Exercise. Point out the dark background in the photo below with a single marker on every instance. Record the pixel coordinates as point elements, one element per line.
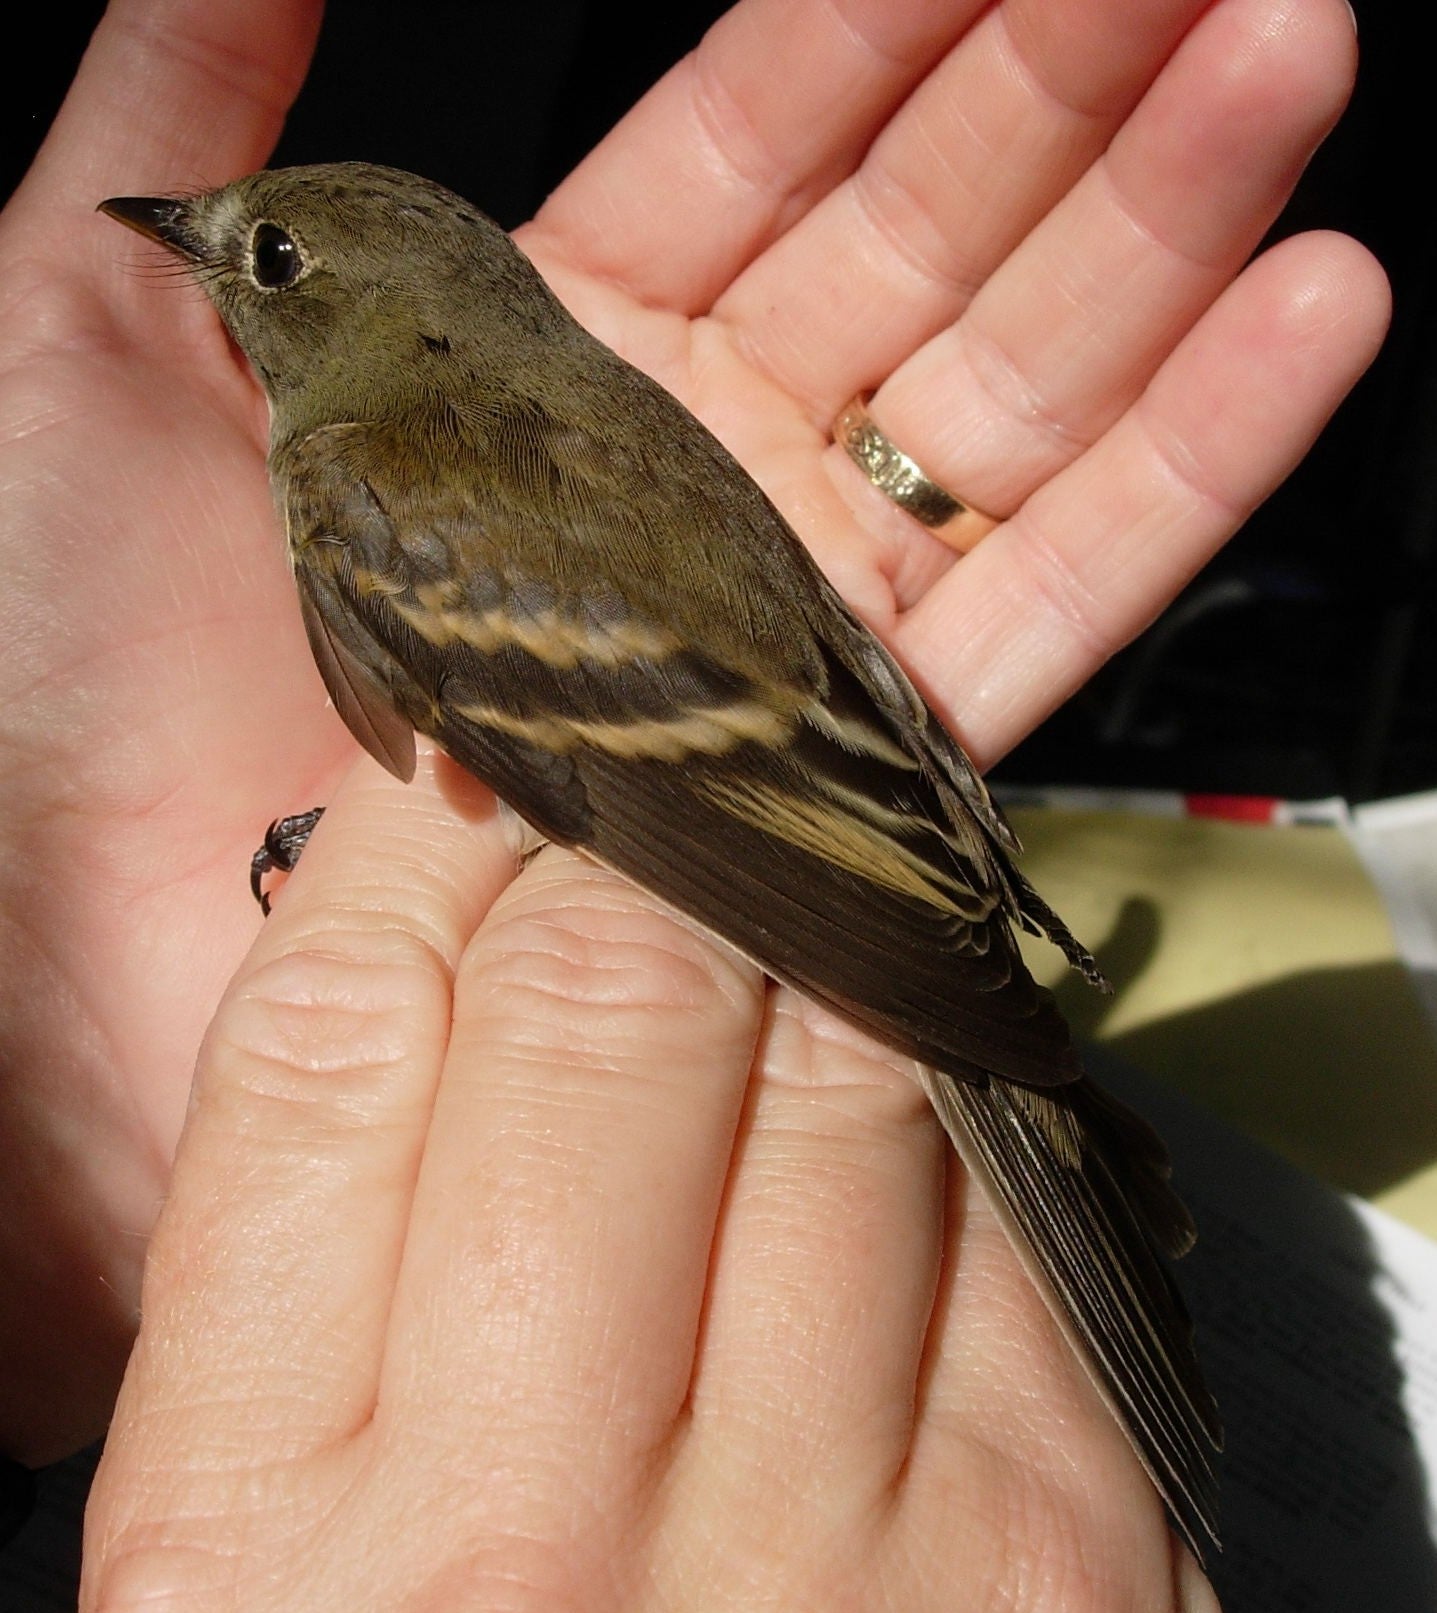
<point>1301,663</point>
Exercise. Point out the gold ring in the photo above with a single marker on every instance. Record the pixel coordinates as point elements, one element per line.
<point>905,481</point>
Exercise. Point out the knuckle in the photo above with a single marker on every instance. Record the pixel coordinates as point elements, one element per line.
<point>594,944</point>
<point>319,1012</point>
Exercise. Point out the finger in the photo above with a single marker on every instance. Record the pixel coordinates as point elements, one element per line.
<point>775,105</point>
<point>565,1213</point>
<point>819,1304</point>
<point>173,93</point>
<point>272,1268</point>
<point>1010,633</point>
<point>981,151</point>
<point>1064,337</point>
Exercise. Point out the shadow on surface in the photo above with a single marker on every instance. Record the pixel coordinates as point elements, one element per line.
<point>1333,1068</point>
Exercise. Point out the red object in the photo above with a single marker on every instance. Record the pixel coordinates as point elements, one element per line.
<point>1236,808</point>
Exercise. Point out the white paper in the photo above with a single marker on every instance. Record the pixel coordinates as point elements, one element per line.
<point>1317,1326</point>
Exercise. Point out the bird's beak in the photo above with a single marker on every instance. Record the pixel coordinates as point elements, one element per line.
<point>158,218</point>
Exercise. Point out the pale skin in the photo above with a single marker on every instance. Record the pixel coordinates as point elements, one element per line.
<point>521,1250</point>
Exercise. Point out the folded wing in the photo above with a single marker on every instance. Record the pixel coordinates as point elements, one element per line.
<point>779,781</point>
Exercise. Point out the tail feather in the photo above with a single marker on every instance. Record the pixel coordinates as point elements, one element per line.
<point>1081,1184</point>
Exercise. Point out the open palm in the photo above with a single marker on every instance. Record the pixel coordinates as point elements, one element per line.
<point>1025,233</point>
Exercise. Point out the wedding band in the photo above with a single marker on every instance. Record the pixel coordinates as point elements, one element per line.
<point>905,481</point>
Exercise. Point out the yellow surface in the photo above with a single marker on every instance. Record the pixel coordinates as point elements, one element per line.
<point>1256,972</point>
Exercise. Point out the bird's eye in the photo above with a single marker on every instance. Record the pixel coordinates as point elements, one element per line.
<point>275,257</point>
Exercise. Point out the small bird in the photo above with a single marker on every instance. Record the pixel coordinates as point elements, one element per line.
<point>507,538</point>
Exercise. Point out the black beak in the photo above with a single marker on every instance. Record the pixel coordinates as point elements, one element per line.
<point>158,218</point>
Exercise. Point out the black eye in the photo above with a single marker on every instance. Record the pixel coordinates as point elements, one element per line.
<point>277,262</point>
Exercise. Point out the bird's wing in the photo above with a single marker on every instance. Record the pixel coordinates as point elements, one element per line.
<point>816,817</point>
<point>365,705</point>
<point>784,808</point>
<point>1080,1183</point>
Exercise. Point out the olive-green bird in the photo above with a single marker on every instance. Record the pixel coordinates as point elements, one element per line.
<point>509,539</point>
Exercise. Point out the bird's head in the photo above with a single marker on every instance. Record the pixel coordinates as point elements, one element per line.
<point>342,270</point>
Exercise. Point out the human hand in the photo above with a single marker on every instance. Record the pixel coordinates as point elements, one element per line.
<point>523,1253</point>
<point>164,706</point>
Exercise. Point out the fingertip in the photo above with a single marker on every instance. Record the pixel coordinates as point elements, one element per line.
<point>313,1095</point>
<point>173,93</point>
<point>426,858</point>
<point>1343,276</point>
<point>1317,306</point>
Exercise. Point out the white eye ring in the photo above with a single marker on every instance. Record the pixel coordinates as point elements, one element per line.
<point>275,259</point>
